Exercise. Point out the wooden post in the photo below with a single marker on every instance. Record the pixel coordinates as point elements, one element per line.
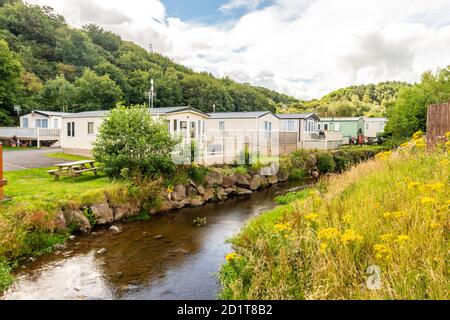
<point>2,182</point>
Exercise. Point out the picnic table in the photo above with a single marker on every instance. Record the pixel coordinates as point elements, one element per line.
<point>74,169</point>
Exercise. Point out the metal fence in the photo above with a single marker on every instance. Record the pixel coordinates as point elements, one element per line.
<point>438,123</point>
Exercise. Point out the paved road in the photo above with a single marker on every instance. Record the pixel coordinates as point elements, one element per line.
<point>21,160</point>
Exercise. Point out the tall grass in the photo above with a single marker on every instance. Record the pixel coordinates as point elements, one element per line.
<point>386,219</point>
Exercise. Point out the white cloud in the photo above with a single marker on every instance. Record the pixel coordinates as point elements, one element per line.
<point>237,4</point>
<point>301,47</point>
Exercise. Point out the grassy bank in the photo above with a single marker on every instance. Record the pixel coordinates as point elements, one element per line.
<point>66,156</point>
<point>27,220</point>
<point>390,213</point>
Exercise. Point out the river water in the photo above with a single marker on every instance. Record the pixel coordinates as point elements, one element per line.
<point>164,257</point>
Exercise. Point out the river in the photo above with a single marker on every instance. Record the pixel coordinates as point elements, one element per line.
<point>164,257</point>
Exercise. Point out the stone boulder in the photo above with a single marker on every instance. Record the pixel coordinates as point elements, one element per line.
<point>230,190</point>
<point>167,205</point>
<point>60,222</point>
<point>221,194</point>
<point>242,180</point>
<point>255,182</point>
<point>103,213</point>
<point>196,201</point>
<point>283,176</point>
<point>208,194</point>
<point>201,190</point>
<point>243,192</point>
<point>229,181</point>
<point>76,218</point>
<point>264,182</point>
<point>191,191</point>
<point>214,178</point>
<point>125,211</point>
<point>179,193</point>
<point>272,180</point>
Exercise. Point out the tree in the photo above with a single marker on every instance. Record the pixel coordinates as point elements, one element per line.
<point>130,142</point>
<point>96,92</point>
<point>10,71</point>
<point>59,95</point>
<point>105,39</point>
<point>409,114</point>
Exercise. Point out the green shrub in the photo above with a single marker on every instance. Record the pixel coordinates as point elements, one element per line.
<point>344,160</point>
<point>241,170</point>
<point>325,163</point>
<point>197,173</point>
<point>90,216</point>
<point>6,279</point>
<point>292,196</point>
<point>130,139</point>
<point>298,174</point>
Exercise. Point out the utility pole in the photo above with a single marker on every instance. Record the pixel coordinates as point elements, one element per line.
<point>151,95</point>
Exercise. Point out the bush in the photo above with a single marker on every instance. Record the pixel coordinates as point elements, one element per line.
<point>241,170</point>
<point>197,173</point>
<point>131,142</point>
<point>298,174</point>
<point>6,279</point>
<point>325,163</point>
<point>292,196</point>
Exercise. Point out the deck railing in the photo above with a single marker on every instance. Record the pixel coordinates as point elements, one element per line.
<point>30,133</point>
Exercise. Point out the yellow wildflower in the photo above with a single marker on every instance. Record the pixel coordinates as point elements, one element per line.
<point>418,135</point>
<point>351,236</point>
<point>347,218</point>
<point>404,145</point>
<point>323,248</point>
<point>328,234</point>
<point>435,225</point>
<point>281,227</point>
<point>413,185</point>
<point>384,155</point>
<point>444,163</point>
<point>312,217</point>
<point>387,237</point>
<point>402,239</point>
<point>447,135</point>
<point>382,252</point>
<point>427,200</point>
<point>231,256</point>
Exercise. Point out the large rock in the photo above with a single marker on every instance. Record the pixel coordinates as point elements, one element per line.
<point>103,213</point>
<point>272,180</point>
<point>201,190</point>
<point>242,180</point>
<point>168,205</point>
<point>243,192</point>
<point>229,182</point>
<point>214,178</point>
<point>125,211</point>
<point>230,190</point>
<point>196,201</point>
<point>76,219</point>
<point>221,194</point>
<point>264,182</point>
<point>179,193</point>
<point>191,191</point>
<point>255,183</point>
<point>283,175</point>
<point>60,222</point>
<point>208,195</point>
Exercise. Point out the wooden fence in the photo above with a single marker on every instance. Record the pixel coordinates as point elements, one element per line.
<point>438,123</point>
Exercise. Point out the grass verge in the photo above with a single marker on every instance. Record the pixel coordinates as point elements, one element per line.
<point>379,231</point>
<point>66,156</point>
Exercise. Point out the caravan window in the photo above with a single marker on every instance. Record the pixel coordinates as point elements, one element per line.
<point>25,123</point>
<point>42,123</point>
<point>290,125</point>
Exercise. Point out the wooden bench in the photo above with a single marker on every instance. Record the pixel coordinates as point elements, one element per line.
<point>74,169</point>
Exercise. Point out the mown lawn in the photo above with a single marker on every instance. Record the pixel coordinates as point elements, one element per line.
<point>379,231</point>
<point>66,156</point>
<point>36,185</point>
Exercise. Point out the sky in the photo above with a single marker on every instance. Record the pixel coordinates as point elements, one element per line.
<point>304,48</point>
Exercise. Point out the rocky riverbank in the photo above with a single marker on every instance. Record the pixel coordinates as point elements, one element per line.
<point>215,187</point>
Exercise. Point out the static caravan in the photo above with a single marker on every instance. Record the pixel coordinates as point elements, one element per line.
<point>80,129</point>
<point>230,134</point>
<point>374,126</point>
<point>349,127</point>
<point>302,131</point>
